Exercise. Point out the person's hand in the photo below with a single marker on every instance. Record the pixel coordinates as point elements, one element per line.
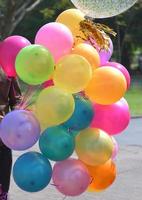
<point>1,117</point>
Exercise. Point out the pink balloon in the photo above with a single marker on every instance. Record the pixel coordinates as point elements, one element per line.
<point>48,83</point>
<point>71,177</point>
<point>57,38</point>
<point>122,69</point>
<point>113,119</point>
<point>115,149</point>
<point>9,49</point>
<point>105,55</point>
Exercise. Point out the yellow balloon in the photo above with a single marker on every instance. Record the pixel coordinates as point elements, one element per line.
<point>88,52</point>
<point>107,86</point>
<point>93,146</point>
<point>54,107</point>
<point>72,18</point>
<point>73,73</point>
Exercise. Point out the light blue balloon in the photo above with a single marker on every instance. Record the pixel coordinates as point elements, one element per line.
<point>82,116</point>
<point>56,143</point>
<point>32,172</point>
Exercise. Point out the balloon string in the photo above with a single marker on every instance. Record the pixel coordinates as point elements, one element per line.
<point>25,97</point>
<point>31,90</point>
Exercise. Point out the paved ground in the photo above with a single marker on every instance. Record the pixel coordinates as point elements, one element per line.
<point>128,185</point>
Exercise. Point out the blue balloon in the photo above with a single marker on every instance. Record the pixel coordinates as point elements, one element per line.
<point>56,143</point>
<point>82,116</point>
<point>32,172</point>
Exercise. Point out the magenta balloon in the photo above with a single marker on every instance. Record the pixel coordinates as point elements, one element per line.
<point>122,69</point>
<point>115,149</point>
<point>57,38</point>
<point>71,177</point>
<point>19,130</point>
<point>9,49</point>
<point>113,119</point>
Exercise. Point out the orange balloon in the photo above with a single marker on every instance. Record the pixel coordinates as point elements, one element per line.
<point>88,52</point>
<point>107,86</point>
<point>102,176</point>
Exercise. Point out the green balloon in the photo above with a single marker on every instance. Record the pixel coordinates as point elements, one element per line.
<point>56,144</point>
<point>34,64</point>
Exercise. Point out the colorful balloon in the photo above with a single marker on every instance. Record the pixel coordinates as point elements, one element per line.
<point>88,52</point>
<point>72,18</point>
<point>73,72</point>
<point>103,8</point>
<point>104,54</point>
<point>112,118</point>
<point>71,177</point>
<point>19,130</point>
<point>34,64</point>
<point>32,172</point>
<point>107,86</point>
<point>102,176</point>
<point>54,106</point>
<point>9,49</point>
<point>57,38</point>
<point>56,144</point>
<point>122,69</point>
<point>93,146</point>
<point>82,116</point>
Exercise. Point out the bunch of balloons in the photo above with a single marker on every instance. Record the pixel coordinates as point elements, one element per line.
<point>80,108</point>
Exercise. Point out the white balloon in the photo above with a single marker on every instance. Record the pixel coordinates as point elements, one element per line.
<point>103,8</point>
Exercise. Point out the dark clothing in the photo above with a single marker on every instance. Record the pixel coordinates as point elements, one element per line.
<point>10,96</point>
<point>5,167</point>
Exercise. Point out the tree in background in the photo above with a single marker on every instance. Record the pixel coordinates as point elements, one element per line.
<point>12,12</point>
<point>45,12</point>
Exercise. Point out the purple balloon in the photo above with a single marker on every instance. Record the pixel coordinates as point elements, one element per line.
<point>122,69</point>
<point>71,177</point>
<point>9,49</point>
<point>19,130</point>
<point>113,119</point>
<point>105,55</point>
